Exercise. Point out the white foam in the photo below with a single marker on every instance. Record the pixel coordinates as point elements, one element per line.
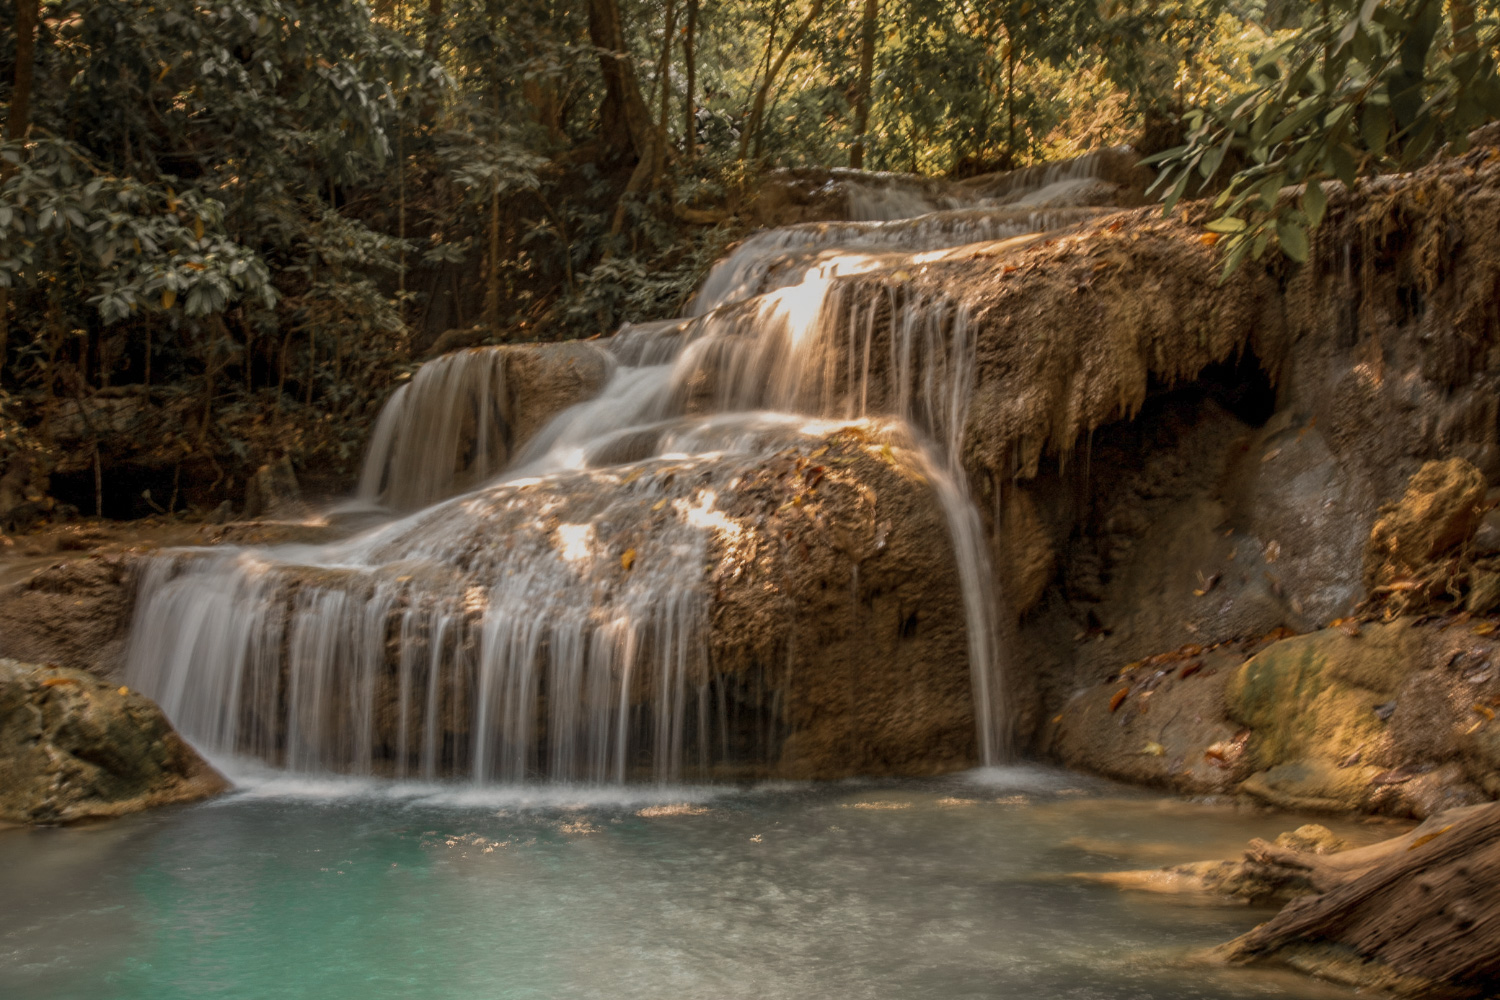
<point>254,781</point>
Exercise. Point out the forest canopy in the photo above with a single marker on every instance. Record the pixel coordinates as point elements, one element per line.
<point>269,210</point>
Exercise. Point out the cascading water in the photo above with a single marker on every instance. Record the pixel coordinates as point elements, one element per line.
<point>550,620</point>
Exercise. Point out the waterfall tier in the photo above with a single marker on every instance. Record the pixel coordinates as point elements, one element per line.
<point>735,543</point>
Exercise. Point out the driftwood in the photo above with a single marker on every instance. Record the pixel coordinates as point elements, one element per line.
<point>1419,913</point>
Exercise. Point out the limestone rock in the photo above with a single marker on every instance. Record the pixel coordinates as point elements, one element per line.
<point>1442,507</point>
<point>75,612</point>
<point>1026,558</point>
<point>1395,718</point>
<point>815,604</point>
<point>274,494</point>
<point>74,747</point>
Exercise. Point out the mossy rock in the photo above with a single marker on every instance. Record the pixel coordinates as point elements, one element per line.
<point>1311,703</point>
<point>74,747</point>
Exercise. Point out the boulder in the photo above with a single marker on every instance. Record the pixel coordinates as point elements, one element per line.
<point>1393,718</point>
<point>1442,506</point>
<point>73,747</point>
<point>274,494</point>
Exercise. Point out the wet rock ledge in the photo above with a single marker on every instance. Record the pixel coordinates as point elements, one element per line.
<point>73,747</point>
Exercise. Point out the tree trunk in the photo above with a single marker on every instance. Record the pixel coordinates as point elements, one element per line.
<point>432,44</point>
<point>625,121</point>
<point>664,70</point>
<point>866,77</point>
<point>492,271</point>
<point>18,122</point>
<point>759,109</point>
<point>1010,94</point>
<point>1425,905</point>
<point>690,61</point>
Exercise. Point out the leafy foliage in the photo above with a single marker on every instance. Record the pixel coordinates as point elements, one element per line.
<point>264,212</point>
<point>1364,86</point>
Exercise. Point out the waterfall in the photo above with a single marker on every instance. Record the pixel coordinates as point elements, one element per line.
<point>543,611</point>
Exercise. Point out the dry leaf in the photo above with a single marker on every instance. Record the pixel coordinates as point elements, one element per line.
<point>1153,749</point>
<point>1119,698</point>
<point>1429,837</point>
<point>627,560</point>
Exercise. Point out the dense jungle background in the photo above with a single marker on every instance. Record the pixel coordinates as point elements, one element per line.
<point>228,229</point>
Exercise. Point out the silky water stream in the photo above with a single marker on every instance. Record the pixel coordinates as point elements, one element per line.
<point>465,741</point>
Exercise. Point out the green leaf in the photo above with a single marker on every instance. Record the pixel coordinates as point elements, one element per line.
<point>1293,240</point>
<point>1375,128</point>
<point>1226,224</point>
<point>1314,203</point>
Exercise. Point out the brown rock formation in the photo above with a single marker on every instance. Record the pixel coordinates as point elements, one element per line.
<point>1393,718</point>
<point>1439,512</point>
<point>73,747</point>
<point>75,612</point>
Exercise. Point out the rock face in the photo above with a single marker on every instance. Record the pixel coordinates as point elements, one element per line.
<point>1213,462</point>
<point>73,747</point>
<point>1391,718</point>
<point>75,612</point>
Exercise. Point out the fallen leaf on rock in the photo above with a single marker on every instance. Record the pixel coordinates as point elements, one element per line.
<point>1153,749</point>
<point>1484,710</point>
<point>1484,628</point>
<point>1218,754</point>
<point>1428,838</point>
<point>1191,669</point>
<point>627,559</point>
<point>1119,698</point>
